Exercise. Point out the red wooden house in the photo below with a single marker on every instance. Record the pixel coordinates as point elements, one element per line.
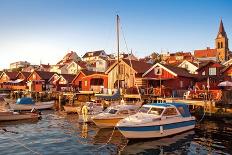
<point>87,80</point>
<point>6,79</point>
<point>38,81</point>
<point>227,73</point>
<point>62,82</point>
<point>209,75</point>
<point>169,77</point>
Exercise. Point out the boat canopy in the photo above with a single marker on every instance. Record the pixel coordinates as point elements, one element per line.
<point>25,100</point>
<point>114,96</point>
<point>181,107</point>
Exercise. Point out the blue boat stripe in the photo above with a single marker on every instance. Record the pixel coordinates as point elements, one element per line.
<point>157,127</point>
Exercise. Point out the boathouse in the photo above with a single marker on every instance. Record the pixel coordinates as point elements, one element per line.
<point>130,73</point>
<point>38,81</point>
<point>87,80</point>
<point>6,79</point>
<point>165,77</point>
<point>209,75</point>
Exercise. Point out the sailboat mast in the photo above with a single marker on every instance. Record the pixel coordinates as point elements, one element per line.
<point>118,47</point>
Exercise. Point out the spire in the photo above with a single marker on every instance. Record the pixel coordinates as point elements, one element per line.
<point>222,30</point>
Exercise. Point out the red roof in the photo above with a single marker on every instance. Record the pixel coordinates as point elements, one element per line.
<point>12,75</point>
<point>205,53</point>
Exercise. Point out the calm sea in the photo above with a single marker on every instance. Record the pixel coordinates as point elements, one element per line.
<point>61,134</point>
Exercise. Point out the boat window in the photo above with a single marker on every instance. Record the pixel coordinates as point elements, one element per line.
<point>144,109</point>
<point>124,112</point>
<point>112,111</point>
<point>156,111</point>
<point>181,110</point>
<point>170,111</point>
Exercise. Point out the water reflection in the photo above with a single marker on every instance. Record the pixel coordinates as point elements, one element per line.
<point>60,133</point>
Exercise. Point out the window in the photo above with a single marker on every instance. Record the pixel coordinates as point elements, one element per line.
<point>121,69</point>
<point>203,73</point>
<point>86,82</point>
<point>156,111</point>
<point>221,45</point>
<point>212,71</point>
<point>158,71</point>
<point>144,109</point>
<point>170,112</point>
<point>181,84</point>
<point>218,45</point>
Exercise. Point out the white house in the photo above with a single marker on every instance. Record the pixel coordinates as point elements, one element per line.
<point>190,66</point>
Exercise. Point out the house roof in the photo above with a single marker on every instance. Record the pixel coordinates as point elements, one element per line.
<point>226,68</point>
<point>25,74</point>
<point>95,53</point>
<point>206,63</point>
<point>45,65</point>
<point>205,53</point>
<point>179,71</point>
<point>138,66</point>
<point>68,77</point>
<point>176,71</point>
<point>11,75</point>
<point>45,75</point>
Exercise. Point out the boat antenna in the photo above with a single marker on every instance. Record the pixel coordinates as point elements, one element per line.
<point>118,46</point>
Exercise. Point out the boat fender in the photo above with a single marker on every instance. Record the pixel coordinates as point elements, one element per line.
<point>84,110</point>
<point>161,130</point>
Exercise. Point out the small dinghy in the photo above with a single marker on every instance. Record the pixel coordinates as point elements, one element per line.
<point>15,116</point>
<point>28,104</point>
<point>157,120</point>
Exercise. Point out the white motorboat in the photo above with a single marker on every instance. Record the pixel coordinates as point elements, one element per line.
<point>28,104</point>
<point>157,120</point>
<point>113,114</point>
<point>15,116</point>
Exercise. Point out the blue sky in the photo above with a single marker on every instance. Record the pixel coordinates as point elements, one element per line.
<point>45,30</point>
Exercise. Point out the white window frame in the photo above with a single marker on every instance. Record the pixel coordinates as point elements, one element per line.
<point>203,73</point>
<point>156,69</point>
<point>212,71</point>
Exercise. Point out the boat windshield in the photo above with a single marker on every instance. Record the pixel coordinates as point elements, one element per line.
<point>156,111</point>
<point>111,111</point>
<point>144,109</point>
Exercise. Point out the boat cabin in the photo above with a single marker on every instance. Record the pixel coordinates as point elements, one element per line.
<point>166,109</point>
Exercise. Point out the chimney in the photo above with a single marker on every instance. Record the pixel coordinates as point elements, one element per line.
<point>207,48</point>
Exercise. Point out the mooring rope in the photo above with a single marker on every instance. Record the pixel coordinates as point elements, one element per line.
<point>20,143</point>
<point>203,114</point>
<point>110,138</point>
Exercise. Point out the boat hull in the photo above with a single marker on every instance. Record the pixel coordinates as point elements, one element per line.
<point>156,131</point>
<point>15,117</point>
<point>106,123</point>
<point>70,109</point>
<point>38,106</point>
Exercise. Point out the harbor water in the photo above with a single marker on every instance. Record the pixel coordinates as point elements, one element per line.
<point>62,134</point>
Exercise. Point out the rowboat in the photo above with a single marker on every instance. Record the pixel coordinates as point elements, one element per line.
<point>28,104</point>
<point>72,109</point>
<point>15,116</point>
<point>113,114</point>
<point>157,120</point>
<point>92,108</point>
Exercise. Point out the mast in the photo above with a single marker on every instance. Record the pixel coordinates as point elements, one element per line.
<point>118,46</point>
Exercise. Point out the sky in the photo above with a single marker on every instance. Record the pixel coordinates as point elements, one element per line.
<point>45,30</point>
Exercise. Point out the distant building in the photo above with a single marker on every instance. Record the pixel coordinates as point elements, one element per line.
<point>190,66</point>
<point>94,55</point>
<point>19,64</point>
<point>69,57</point>
<point>220,52</point>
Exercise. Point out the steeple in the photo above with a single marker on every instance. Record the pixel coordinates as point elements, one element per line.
<point>221,30</point>
<point>221,43</point>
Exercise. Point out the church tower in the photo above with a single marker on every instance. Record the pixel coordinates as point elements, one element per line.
<point>221,44</point>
